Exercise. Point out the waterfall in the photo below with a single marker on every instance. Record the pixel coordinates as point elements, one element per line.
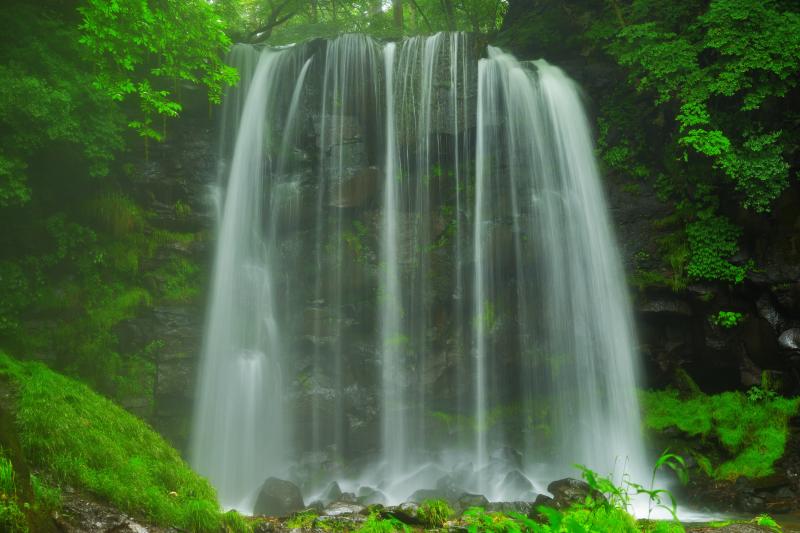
<point>539,189</point>
<point>241,427</point>
<point>416,282</point>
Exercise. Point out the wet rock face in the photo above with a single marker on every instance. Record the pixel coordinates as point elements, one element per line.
<point>675,327</point>
<point>278,497</point>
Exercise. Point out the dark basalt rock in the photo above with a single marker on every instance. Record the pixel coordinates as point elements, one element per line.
<point>510,507</point>
<point>331,493</point>
<point>356,189</point>
<point>508,455</point>
<point>750,502</point>
<point>789,340</point>
<point>421,495</point>
<point>542,500</point>
<point>315,506</point>
<point>468,500</point>
<point>517,484</point>
<point>767,310</point>
<point>405,512</point>
<point>569,490</point>
<point>370,496</point>
<point>278,497</point>
<point>348,497</point>
<point>449,484</point>
<point>666,306</point>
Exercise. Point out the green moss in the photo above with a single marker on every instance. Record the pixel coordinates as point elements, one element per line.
<point>83,439</point>
<point>178,280</point>
<point>434,513</point>
<point>751,434</point>
<point>642,279</point>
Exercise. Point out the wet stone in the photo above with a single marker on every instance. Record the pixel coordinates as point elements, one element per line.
<point>278,497</point>
<point>468,500</point>
<point>344,508</point>
<point>517,484</point>
<point>332,493</point>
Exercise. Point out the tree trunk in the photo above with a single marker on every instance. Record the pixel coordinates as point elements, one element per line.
<point>398,14</point>
<point>447,6</point>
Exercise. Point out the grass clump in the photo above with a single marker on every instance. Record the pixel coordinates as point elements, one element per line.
<point>375,524</point>
<point>478,520</point>
<point>233,522</point>
<point>434,513</point>
<point>750,431</point>
<point>12,519</point>
<point>81,438</point>
<point>14,507</point>
<point>302,520</point>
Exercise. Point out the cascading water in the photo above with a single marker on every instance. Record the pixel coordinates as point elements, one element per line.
<point>241,426</point>
<point>426,108</point>
<point>538,188</point>
<point>416,285</point>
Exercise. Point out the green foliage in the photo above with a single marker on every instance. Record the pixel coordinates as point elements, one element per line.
<point>712,241</point>
<point>84,272</point>
<point>752,63</point>
<point>87,69</point>
<point>434,513</point>
<point>303,520</point>
<point>765,520</point>
<point>44,96</point>
<point>706,117</point>
<point>179,280</point>
<point>83,439</point>
<point>477,519</point>
<point>328,19</point>
<point>727,319</point>
<point>750,434</point>
<point>619,496</point>
<point>375,524</point>
<point>144,50</point>
<point>12,519</point>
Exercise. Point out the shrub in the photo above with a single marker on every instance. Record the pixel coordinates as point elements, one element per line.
<point>434,513</point>
<point>375,524</point>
